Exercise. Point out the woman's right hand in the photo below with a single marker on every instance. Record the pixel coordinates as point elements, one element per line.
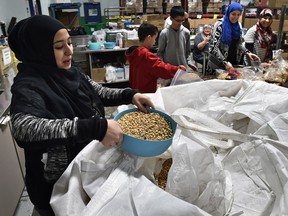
<point>228,66</point>
<point>206,39</point>
<point>265,64</point>
<point>114,134</point>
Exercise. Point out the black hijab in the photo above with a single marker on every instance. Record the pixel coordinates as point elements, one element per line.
<point>40,87</point>
<point>32,38</point>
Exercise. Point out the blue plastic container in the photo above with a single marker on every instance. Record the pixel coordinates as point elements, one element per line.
<point>94,46</point>
<point>146,148</point>
<point>128,23</point>
<point>92,12</point>
<point>109,45</point>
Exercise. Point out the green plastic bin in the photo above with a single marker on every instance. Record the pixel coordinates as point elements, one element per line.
<point>91,27</point>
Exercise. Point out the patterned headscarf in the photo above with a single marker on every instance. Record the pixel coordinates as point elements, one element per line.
<point>264,35</point>
<point>231,30</point>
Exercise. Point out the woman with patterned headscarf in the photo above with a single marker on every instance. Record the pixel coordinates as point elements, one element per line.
<point>56,110</point>
<point>226,47</point>
<point>260,38</point>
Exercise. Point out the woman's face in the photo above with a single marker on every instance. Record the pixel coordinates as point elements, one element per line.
<point>234,16</point>
<point>63,49</point>
<point>207,31</point>
<point>266,21</point>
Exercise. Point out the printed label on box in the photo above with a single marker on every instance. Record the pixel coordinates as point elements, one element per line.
<point>120,73</point>
<point>6,56</point>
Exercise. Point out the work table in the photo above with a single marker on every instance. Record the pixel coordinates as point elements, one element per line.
<point>83,55</point>
<point>88,53</point>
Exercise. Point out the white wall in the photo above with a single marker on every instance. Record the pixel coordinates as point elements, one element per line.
<point>13,8</point>
<point>45,5</point>
<point>20,8</point>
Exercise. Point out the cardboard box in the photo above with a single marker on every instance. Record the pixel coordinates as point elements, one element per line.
<point>129,42</point>
<point>155,19</point>
<point>5,58</point>
<point>130,34</point>
<point>69,19</point>
<point>276,3</point>
<point>98,74</point>
<point>285,55</point>
<point>194,23</point>
<point>250,22</point>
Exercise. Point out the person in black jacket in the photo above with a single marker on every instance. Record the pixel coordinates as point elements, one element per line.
<point>56,110</point>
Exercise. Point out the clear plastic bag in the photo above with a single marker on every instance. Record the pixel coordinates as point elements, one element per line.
<point>110,74</point>
<point>183,77</point>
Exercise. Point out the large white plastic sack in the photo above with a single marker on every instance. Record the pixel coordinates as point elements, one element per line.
<point>112,185</point>
<point>229,158</point>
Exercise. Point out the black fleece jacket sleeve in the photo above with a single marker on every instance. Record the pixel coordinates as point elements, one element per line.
<point>94,128</point>
<point>36,133</point>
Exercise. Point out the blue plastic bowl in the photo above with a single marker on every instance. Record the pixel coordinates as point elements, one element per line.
<point>109,45</point>
<point>146,148</point>
<point>94,46</point>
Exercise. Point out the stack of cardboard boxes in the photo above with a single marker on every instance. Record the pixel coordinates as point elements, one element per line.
<point>276,3</point>
<point>213,7</point>
<point>155,19</point>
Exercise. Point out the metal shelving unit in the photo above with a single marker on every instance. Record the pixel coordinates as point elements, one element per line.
<point>116,14</point>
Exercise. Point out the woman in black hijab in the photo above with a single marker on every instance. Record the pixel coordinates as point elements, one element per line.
<point>57,110</point>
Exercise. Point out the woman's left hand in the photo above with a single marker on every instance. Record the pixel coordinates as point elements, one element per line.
<point>253,57</point>
<point>142,101</point>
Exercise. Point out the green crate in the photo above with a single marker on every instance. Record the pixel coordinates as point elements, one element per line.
<point>82,21</point>
<point>91,27</point>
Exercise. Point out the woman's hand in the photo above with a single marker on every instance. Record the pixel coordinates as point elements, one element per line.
<point>206,39</point>
<point>114,134</point>
<point>228,66</point>
<point>265,64</point>
<point>182,67</point>
<point>142,101</point>
<point>193,67</point>
<point>253,57</point>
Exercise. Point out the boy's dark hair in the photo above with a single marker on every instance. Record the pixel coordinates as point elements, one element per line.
<point>146,29</point>
<point>177,11</point>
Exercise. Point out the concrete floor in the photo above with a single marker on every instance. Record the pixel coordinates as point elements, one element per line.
<point>25,207</point>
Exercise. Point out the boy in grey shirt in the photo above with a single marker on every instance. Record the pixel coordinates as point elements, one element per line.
<point>174,41</point>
